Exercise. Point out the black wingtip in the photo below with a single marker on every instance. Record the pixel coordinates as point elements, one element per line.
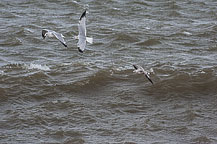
<point>63,44</point>
<point>135,67</point>
<point>80,50</point>
<point>83,15</point>
<point>149,79</point>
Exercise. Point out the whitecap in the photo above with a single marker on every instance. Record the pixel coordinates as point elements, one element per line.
<point>38,66</point>
<point>66,64</point>
<point>122,68</point>
<point>187,33</point>
<point>1,72</point>
<point>74,1</point>
<point>202,72</point>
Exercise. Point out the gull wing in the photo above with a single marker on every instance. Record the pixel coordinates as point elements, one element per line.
<point>60,38</point>
<point>83,15</point>
<point>138,67</point>
<point>135,66</point>
<point>147,76</point>
<point>82,24</point>
<point>81,43</point>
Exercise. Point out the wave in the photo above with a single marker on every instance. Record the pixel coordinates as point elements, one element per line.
<point>185,82</point>
<point>37,66</point>
<point>23,66</point>
<point>11,42</point>
<point>149,42</point>
<point>165,81</point>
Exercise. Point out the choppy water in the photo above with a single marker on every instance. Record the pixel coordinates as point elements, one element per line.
<point>53,94</point>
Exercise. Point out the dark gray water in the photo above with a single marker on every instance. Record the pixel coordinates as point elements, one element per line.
<point>52,94</point>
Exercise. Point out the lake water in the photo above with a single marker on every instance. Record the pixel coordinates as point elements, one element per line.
<point>52,94</point>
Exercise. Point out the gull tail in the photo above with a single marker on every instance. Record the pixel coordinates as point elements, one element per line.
<point>90,40</point>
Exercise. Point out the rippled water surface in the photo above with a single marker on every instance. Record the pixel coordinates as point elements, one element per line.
<point>52,94</point>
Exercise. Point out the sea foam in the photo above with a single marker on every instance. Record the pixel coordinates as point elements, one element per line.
<point>38,66</point>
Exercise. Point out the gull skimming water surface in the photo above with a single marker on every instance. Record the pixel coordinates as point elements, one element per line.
<point>140,70</point>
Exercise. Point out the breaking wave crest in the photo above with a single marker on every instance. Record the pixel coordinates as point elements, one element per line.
<point>165,81</point>
<point>30,66</point>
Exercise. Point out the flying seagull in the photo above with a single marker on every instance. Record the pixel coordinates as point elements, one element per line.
<point>140,70</point>
<point>50,33</point>
<point>82,39</point>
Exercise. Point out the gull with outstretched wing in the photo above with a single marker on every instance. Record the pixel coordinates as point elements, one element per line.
<point>51,33</point>
<point>140,70</point>
<point>82,38</point>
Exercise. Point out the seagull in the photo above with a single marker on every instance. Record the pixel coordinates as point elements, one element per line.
<point>140,70</point>
<point>82,39</point>
<point>50,33</point>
